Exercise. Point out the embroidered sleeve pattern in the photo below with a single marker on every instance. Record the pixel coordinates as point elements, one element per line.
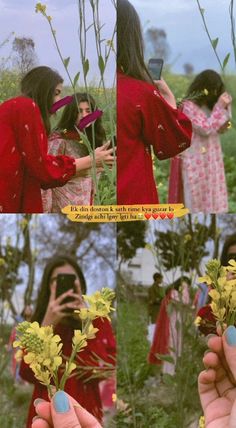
<point>32,143</point>
<point>167,129</point>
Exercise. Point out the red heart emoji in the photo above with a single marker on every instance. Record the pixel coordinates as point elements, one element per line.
<point>147,216</point>
<point>163,215</point>
<point>155,216</point>
<point>170,215</point>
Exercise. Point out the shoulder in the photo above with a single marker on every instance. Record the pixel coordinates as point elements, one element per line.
<point>23,104</point>
<point>140,85</point>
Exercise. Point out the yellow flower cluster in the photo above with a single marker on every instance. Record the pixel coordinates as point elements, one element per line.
<point>223,292</point>
<point>41,8</point>
<point>39,348</point>
<point>99,305</point>
<point>201,422</point>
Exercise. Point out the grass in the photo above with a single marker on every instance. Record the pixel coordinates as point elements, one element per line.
<point>147,399</point>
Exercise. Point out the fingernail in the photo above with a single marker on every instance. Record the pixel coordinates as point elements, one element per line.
<point>61,402</point>
<point>209,336</point>
<point>37,401</point>
<point>207,352</point>
<point>35,418</point>
<point>230,334</point>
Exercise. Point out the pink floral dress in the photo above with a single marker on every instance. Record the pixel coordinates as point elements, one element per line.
<point>79,190</point>
<point>202,164</point>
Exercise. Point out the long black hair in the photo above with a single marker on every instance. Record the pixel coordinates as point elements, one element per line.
<point>229,242</point>
<point>207,86</point>
<point>130,46</point>
<point>40,84</point>
<point>44,290</point>
<point>70,114</point>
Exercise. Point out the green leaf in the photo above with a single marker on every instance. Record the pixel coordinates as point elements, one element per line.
<point>76,78</point>
<point>168,379</point>
<point>101,64</point>
<point>167,358</point>
<point>86,67</point>
<point>225,62</point>
<point>214,43</point>
<point>66,61</point>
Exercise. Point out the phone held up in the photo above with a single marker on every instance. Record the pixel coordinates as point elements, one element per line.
<point>66,282</point>
<point>155,66</point>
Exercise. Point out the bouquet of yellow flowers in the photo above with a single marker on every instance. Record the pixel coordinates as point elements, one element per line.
<point>42,350</point>
<point>222,309</point>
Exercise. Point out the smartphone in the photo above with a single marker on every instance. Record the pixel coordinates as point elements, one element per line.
<point>155,66</point>
<point>66,282</point>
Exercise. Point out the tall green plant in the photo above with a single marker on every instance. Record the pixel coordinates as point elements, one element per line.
<point>106,192</point>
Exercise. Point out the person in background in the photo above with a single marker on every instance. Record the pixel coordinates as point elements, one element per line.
<point>66,140</point>
<point>147,117</point>
<point>155,296</point>
<point>201,167</point>
<point>168,332</point>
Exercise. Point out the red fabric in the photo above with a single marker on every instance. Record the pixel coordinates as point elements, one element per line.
<point>161,334</point>
<point>25,166</point>
<point>83,390</point>
<point>175,194</point>
<point>145,119</point>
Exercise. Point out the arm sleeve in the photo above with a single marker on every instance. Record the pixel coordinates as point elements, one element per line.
<point>102,348</point>
<point>202,124</point>
<point>51,171</point>
<point>168,130</point>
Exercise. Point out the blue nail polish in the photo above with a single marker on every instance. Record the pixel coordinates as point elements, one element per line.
<point>230,334</point>
<point>61,402</point>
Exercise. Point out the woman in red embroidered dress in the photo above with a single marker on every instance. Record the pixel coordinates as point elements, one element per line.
<point>79,190</point>
<point>25,166</point>
<point>147,116</point>
<point>52,311</point>
<point>167,338</point>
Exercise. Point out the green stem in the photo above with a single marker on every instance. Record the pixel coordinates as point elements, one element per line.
<point>208,35</point>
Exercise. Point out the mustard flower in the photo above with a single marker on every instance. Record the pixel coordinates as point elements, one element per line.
<point>79,340</point>
<point>40,8</point>
<point>40,348</point>
<point>201,422</point>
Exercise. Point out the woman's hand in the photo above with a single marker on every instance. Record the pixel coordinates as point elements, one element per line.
<point>217,385</point>
<point>62,412</point>
<point>224,100</point>
<point>56,308</point>
<point>166,92</point>
<point>101,155</point>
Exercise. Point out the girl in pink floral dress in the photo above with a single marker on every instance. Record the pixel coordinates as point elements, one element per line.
<point>202,166</point>
<point>66,140</point>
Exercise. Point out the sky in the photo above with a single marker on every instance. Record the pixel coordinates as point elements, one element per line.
<point>20,17</point>
<point>186,36</point>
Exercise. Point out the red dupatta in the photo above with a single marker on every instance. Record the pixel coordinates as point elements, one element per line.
<point>162,333</point>
<point>175,191</point>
